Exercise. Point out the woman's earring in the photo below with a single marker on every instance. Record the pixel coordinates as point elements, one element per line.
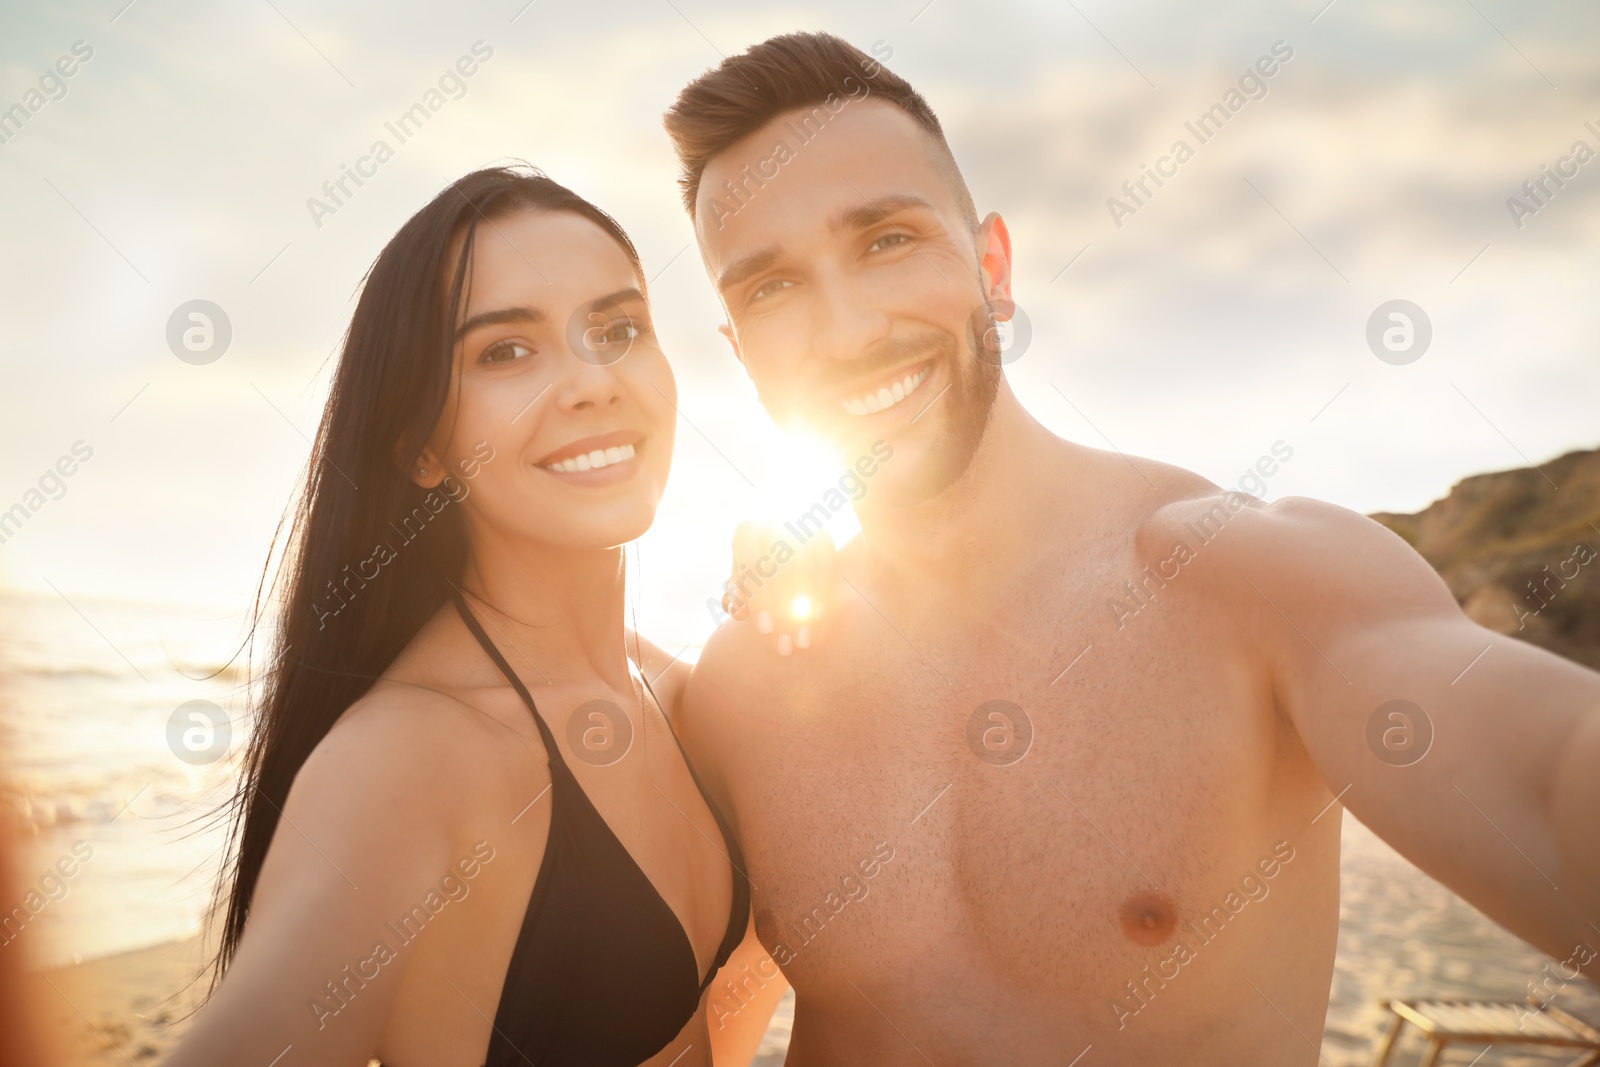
<point>422,472</point>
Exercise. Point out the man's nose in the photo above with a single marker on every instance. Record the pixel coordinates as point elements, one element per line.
<point>850,320</point>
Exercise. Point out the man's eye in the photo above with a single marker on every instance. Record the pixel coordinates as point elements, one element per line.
<point>768,288</point>
<point>888,240</point>
<point>505,352</point>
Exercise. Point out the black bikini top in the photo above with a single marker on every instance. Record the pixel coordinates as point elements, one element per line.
<point>603,973</point>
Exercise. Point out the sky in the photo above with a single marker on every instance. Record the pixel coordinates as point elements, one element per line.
<point>1199,323</point>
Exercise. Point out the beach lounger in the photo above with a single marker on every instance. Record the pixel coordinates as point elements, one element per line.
<point>1487,1022</point>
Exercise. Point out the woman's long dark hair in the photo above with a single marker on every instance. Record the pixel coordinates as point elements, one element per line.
<point>336,634</point>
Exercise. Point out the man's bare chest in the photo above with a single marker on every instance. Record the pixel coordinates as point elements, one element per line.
<point>1044,795</point>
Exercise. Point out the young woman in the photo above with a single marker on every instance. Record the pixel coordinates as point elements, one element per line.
<point>466,833</point>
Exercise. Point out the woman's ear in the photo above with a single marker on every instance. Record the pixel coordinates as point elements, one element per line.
<point>425,470</point>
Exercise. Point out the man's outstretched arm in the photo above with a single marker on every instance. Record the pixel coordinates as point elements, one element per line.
<point>1474,754</point>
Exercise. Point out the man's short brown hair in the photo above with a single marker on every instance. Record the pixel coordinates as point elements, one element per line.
<point>782,74</point>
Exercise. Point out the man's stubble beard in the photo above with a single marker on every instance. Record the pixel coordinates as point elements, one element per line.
<point>969,402</point>
<point>975,383</point>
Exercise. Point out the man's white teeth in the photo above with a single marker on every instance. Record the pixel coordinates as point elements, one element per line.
<point>591,461</point>
<point>886,397</point>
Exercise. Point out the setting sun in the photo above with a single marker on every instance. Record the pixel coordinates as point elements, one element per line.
<point>804,469</point>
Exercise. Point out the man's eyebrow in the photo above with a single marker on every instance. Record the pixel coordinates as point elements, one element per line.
<point>855,218</point>
<point>874,211</point>
<point>531,316</point>
<point>750,265</point>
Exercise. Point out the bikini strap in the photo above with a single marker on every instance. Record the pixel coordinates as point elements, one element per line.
<point>741,880</point>
<point>551,750</point>
<point>687,762</point>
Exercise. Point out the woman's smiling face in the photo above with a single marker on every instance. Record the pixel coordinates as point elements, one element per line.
<point>557,368</point>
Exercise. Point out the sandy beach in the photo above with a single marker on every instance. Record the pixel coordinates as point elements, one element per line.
<point>127,1008</point>
<point>134,1006</point>
<point>1401,935</point>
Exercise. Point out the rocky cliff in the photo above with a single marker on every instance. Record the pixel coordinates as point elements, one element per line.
<point>1520,550</point>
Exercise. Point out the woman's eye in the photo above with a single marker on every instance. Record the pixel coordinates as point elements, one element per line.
<point>768,288</point>
<point>505,352</point>
<point>888,240</point>
<point>623,331</point>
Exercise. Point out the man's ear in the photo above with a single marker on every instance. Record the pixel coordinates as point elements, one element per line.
<point>994,264</point>
<point>733,342</point>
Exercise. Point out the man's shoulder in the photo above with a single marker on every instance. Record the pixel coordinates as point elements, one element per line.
<point>1292,550</point>
<point>736,664</point>
<point>732,689</point>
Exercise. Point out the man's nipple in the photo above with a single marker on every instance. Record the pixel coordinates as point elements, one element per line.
<point>1149,917</point>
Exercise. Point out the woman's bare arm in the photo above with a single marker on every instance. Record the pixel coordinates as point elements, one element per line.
<point>368,828</point>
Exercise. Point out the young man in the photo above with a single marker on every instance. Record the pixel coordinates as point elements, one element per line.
<point>989,818</point>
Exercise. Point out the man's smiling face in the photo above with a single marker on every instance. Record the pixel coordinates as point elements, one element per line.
<point>857,293</point>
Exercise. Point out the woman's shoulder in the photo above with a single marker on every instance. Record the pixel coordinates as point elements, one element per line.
<point>403,719</point>
<point>425,755</point>
<point>439,698</point>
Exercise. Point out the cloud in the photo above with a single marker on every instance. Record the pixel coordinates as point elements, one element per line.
<point>1207,326</point>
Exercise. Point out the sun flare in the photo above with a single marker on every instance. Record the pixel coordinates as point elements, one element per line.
<point>804,469</point>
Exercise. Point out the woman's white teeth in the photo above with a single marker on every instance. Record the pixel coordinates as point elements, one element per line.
<point>591,461</point>
<point>886,397</point>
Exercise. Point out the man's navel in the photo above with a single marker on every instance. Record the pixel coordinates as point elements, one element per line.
<point>1149,917</point>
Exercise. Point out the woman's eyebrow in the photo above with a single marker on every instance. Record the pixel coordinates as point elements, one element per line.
<point>531,316</point>
<point>611,300</point>
<point>534,316</point>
